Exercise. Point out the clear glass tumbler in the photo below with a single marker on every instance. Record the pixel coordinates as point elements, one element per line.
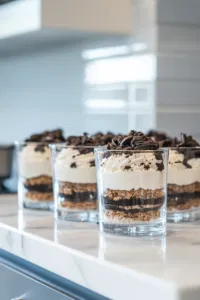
<point>132,190</point>
<point>183,203</point>
<point>35,190</point>
<point>74,176</point>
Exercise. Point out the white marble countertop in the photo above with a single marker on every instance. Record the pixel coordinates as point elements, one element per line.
<point>119,268</point>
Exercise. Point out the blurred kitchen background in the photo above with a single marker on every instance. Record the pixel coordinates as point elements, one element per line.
<point>98,65</point>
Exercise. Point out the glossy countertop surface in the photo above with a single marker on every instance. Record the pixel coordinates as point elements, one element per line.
<point>115,267</point>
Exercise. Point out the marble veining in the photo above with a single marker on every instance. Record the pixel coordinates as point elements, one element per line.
<point>119,268</point>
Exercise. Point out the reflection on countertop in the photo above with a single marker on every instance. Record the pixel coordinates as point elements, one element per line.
<point>77,251</point>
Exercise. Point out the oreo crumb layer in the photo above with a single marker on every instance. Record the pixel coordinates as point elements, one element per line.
<point>82,140</point>
<point>88,142</point>
<point>186,141</point>
<point>170,142</point>
<point>158,135</point>
<point>54,136</point>
<point>103,139</point>
<point>135,140</point>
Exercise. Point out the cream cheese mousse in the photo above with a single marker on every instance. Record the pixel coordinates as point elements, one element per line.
<point>132,185</point>
<point>35,173</point>
<point>183,179</point>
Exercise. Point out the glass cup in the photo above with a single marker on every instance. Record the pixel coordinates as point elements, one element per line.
<point>35,190</point>
<point>74,182</point>
<point>132,190</point>
<point>183,203</point>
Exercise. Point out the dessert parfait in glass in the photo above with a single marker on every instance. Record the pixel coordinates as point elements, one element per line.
<point>75,177</point>
<point>34,169</point>
<point>183,202</point>
<point>132,184</point>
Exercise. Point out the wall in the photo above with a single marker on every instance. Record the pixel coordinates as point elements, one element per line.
<point>40,90</point>
<point>44,89</point>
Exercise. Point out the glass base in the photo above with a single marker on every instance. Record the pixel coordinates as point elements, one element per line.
<point>135,229</point>
<point>39,205</point>
<point>183,216</point>
<point>77,216</point>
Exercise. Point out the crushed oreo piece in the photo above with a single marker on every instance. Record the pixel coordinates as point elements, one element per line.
<point>127,168</point>
<point>170,142</point>
<point>73,165</point>
<point>82,140</point>
<point>160,166</point>
<point>188,146</point>
<point>92,163</point>
<point>146,167</point>
<point>158,135</point>
<point>135,140</point>
<point>158,155</point>
<point>85,140</point>
<point>40,148</point>
<point>103,139</point>
<point>54,136</point>
<point>106,154</point>
<point>188,141</point>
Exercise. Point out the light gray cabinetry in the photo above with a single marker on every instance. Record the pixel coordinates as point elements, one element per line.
<point>15,285</point>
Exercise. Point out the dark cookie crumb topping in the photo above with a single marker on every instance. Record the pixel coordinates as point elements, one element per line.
<point>98,139</point>
<point>187,146</point>
<point>46,138</point>
<point>54,136</point>
<point>158,135</point>
<point>135,140</point>
<point>83,140</point>
<point>103,139</point>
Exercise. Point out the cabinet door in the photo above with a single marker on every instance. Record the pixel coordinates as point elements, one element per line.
<point>17,286</point>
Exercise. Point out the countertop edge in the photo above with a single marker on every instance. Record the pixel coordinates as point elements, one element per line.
<point>83,269</point>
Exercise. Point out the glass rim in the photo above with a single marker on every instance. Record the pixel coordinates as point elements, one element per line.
<point>188,148</point>
<point>18,143</point>
<point>63,145</point>
<point>164,150</point>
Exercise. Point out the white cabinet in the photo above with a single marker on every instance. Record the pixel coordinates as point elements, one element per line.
<point>66,18</point>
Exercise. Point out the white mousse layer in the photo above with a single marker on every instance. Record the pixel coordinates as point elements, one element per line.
<point>178,173</point>
<point>129,180</point>
<point>34,163</point>
<point>122,172</point>
<point>81,172</point>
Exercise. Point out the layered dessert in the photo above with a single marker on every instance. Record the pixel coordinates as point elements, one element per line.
<point>183,174</point>
<point>35,173</point>
<point>75,173</point>
<point>132,180</point>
